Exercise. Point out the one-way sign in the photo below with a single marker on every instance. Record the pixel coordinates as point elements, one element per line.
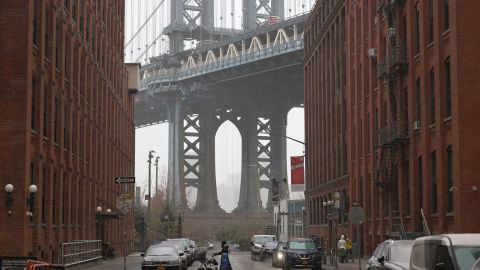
<point>125,180</point>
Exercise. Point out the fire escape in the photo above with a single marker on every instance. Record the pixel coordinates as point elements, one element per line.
<point>393,136</point>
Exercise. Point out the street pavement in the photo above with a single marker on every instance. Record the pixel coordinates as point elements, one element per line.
<point>239,261</point>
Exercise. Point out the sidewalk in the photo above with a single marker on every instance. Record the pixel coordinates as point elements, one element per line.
<point>346,266</point>
<point>133,263</point>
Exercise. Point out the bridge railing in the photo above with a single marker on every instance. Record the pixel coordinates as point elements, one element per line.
<point>153,76</point>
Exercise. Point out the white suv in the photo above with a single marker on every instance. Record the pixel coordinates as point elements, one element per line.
<point>445,252</point>
<point>257,242</point>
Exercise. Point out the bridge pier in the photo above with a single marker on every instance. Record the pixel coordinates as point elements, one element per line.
<point>207,199</point>
<point>278,144</point>
<point>176,183</point>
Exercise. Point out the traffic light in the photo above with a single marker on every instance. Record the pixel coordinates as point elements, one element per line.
<point>275,190</point>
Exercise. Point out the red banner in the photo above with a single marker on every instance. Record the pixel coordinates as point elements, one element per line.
<point>298,174</point>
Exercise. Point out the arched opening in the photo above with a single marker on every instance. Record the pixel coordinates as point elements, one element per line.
<point>228,162</point>
<point>296,130</point>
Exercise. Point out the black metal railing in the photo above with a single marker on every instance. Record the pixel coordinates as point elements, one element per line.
<point>396,133</point>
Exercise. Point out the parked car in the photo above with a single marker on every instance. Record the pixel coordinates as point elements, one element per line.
<point>278,255</point>
<point>186,246</point>
<point>162,257</point>
<point>391,254</point>
<point>476,266</point>
<point>200,253</point>
<point>267,249</point>
<point>302,253</point>
<point>180,248</point>
<point>448,251</point>
<point>256,244</point>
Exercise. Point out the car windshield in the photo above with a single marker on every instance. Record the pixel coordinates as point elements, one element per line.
<point>162,251</point>
<point>400,252</point>
<point>302,245</point>
<point>271,244</point>
<point>262,239</point>
<point>467,256</point>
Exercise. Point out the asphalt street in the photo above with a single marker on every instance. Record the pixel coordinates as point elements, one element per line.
<point>239,261</point>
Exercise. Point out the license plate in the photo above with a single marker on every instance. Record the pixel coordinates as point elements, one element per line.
<point>304,262</point>
<point>161,268</point>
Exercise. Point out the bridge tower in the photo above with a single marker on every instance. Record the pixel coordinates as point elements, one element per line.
<point>255,94</point>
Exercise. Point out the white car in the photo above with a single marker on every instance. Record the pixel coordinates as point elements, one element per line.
<point>448,251</point>
<point>162,257</point>
<point>256,244</point>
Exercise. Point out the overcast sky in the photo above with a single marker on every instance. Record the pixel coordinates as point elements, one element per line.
<point>228,141</point>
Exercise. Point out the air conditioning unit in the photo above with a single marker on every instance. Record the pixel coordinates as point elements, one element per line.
<point>417,125</point>
<point>372,52</point>
<point>392,32</point>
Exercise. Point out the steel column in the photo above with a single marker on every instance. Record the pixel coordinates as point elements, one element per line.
<point>207,194</point>
<point>250,185</point>
<point>278,127</point>
<point>176,183</point>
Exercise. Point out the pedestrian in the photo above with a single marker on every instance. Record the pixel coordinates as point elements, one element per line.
<point>342,249</point>
<point>349,246</point>
<point>224,259</point>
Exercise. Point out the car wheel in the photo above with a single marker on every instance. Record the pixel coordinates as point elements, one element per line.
<point>252,257</point>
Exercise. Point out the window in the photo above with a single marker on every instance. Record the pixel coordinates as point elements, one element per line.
<point>56,121</point>
<point>368,134</point>
<point>34,103</point>
<point>47,19</point>
<point>430,21</point>
<point>44,190</point>
<point>74,10</point>
<point>420,182</point>
<point>448,89</point>
<point>45,111</point>
<point>58,49</point>
<point>65,126</point>
<point>432,96</point>
<point>65,5</point>
<point>406,186</point>
<point>64,198</point>
<point>419,99</point>
<point>446,15</point>
<point>54,202</point>
<point>449,180</point>
<point>434,182</point>
<point>417,28</point>
<point>67,57</point>
<point>35,21</point>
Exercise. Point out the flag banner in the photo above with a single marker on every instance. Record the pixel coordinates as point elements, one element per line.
<point>297,173</point>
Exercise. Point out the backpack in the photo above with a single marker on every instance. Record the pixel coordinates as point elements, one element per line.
<point>224,262</point>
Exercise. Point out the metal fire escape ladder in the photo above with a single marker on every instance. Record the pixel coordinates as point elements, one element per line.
<point>394,134</point>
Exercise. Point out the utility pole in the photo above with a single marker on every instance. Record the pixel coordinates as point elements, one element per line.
<point>150,156</point>
<point>156,175</point>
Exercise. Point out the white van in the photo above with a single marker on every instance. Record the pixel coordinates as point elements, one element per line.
<point>445,252</point>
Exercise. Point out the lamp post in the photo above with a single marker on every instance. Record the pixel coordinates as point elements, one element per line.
<point>9,190</point>
<point>332,215</point>
<point>156,175</point>
<point>150,156</point>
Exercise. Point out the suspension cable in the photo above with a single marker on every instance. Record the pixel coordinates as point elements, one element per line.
<point>145,23</point>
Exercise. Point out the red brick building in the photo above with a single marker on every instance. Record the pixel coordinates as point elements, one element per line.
<point>66,123</point>
<point>412,115</point>
<point>326,121</point>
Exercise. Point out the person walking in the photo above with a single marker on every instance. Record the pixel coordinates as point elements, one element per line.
<point>349,246</point>
<point>342,248</point>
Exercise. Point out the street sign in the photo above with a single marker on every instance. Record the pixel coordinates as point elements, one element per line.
<point>125,180</point>
<point>356,215</point>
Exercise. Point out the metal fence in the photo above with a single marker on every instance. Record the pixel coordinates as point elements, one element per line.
<point>78,252</point>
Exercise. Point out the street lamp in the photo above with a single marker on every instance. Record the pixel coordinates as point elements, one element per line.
<point>332,215</point>
<point>32,189</point>
<point>150,156</point>
<point>9,189</point>
<point>109,210</point>
<point>99,209</point>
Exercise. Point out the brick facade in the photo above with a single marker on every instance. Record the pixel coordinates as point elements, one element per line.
<point>66,123</point>
<point>326,120</point>
<point>412,121</point>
